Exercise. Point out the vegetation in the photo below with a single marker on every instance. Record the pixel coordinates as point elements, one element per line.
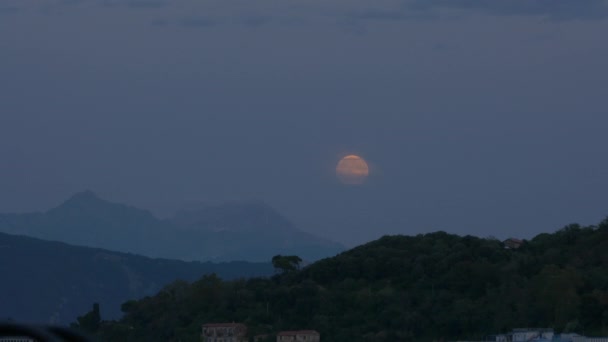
<point>90,321</point>
<point>285,264</point>
<point>399,288</point>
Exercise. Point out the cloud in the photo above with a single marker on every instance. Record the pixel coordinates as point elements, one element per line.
<point>9,9</point>
<point>193,22</point>
<point>159,22</point>
<point>377,14</point>
<point>397,14</point>
<point>256,20</point>
<point>146,3</point>
<point>141,4</point>
<point>357,20</point>
<point>553,9</point>
<point>430,9</point>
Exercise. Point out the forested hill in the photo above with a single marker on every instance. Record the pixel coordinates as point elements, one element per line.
<point>400,288</point>
<point>52,282</point>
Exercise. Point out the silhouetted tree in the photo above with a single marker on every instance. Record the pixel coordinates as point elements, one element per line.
<point>90,321</point>
<point>287,263</point>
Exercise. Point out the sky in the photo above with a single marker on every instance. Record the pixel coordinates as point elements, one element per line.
<point>476,117</point>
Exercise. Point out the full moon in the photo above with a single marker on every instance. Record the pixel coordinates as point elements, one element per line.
<point>352,170</point>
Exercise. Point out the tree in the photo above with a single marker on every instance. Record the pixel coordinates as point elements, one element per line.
<point>287,263</point>
<point>90,321</point>
<point>422,288</point>
<point>557,296</point>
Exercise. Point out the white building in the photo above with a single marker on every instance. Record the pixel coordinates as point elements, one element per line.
<point>547,335</point>
<point>224,332</point>
<point>531,334</point>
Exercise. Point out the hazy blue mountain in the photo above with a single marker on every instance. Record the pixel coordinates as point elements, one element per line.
<point>45,281</point>
<point>87,220</point>
<point>249,231</point>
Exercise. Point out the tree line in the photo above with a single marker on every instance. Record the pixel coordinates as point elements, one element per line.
<point>428,287</point>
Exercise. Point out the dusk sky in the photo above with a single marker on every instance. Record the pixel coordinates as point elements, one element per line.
<point>476,117</point>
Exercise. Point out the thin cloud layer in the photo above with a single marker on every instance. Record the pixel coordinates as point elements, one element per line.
<point>8,10</point>
<point>553,9</point>
<point>9,7</point>
<point>142,4</point>
<point>197,22</point>
<point>278,12</point>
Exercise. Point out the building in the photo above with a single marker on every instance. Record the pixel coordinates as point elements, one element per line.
<point>526,334</point>
<point>540,335</point>
<point>224,332</point>
<point>513,243</point>
<point>298,336</point>
<point>531,334</point>
<point>579,338</point>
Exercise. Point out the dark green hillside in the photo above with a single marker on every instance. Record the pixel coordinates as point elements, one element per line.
<point>400,288</point>
<point>43,281</point>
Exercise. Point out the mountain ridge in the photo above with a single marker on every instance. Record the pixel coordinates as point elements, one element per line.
<point>51,282</point>
<point>237,230</point>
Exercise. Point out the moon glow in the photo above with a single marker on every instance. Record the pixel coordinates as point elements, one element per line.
<point>352,170</point>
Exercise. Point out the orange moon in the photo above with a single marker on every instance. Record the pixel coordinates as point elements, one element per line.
<point>352,170</point>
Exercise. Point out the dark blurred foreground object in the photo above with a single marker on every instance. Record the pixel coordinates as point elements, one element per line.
<point>23,333</point>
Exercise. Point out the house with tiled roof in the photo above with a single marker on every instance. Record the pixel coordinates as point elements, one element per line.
<point>513,243</point>
<point>298,336</point>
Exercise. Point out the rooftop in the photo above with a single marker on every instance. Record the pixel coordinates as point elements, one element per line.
<point>222,325</point>
<point>298,332</point>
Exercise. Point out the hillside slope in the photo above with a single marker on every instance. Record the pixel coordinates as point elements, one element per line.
<point>45,281</point>
<point>401,288</point>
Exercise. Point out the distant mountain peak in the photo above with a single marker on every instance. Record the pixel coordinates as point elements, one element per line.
<point>235,230</point>
<point>88,204</point>
<point>86,197</point>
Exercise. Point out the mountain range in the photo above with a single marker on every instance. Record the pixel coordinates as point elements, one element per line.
<point>52,282</point>
<point>251,231</point>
